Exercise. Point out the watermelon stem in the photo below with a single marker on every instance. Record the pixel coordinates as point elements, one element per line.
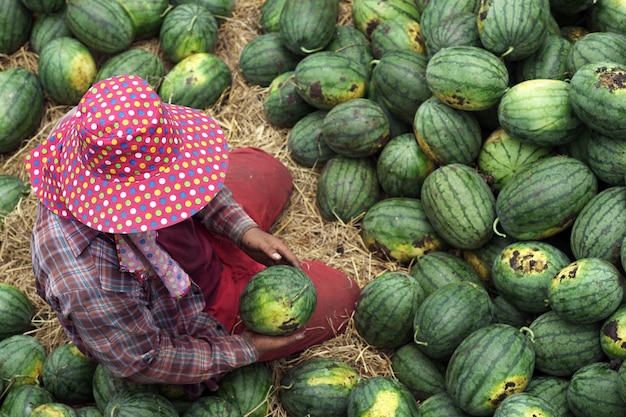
<point>507,52</point>
<point>495,228</point>
<point>527,331</point>
<point>310,51</point>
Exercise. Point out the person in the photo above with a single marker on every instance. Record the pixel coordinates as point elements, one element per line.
<point>147,229</point>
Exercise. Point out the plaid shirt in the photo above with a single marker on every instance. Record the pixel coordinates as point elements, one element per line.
<point>135,327</point>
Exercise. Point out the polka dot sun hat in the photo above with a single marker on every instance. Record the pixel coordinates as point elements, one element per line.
<point>126,162</point>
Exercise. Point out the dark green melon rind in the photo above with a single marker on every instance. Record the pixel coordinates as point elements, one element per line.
<point>420,374</point>
<point>459,205</point>
<point>545,197</point>
<point>308,25</point>
<point>596,47</point>
<point>366,395</point>
<point>16,311</point>
<point>436,269</point>
<point>249,388</point>
<point>264,58</point>
<point>547,62</point>
<point>593,390</point>
<point>607,158</point>
<point>17,21</point>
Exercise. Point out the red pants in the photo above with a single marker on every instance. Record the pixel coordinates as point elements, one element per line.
<point>262,185</point>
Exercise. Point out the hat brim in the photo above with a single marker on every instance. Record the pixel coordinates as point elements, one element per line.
<point>70,189</point>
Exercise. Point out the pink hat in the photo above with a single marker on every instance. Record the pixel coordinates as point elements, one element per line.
<point>126,162</point>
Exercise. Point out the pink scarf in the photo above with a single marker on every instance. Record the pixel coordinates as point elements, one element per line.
<point>141,255</point>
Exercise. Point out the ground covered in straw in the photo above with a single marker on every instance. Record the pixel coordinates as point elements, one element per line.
<point>240,112</point>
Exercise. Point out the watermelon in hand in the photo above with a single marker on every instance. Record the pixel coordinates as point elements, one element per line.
<point>277,300</point>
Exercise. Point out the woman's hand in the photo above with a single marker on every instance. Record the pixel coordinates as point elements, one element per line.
<point>267,249</point>
<point>267,344</point>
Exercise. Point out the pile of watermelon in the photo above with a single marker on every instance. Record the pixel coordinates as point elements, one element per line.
<point>479,145</point>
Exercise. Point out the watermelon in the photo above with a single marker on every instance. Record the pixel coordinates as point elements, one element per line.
<point>221,9</point>
<point>458,29</point>
<point>264,58</point>
<point>248,388</point>
<point>356,128</point>
<point>136,61</point>
<point>347,188</point>
<point>545,198</point>
<point>133,404</point>
<point>22,400</point>
<point>397,228</point>
<point>269,17</point>
<point>283,106</point>
<point>547,62</point>
<point>147,16</point>
<point>368,14</point>
<point>435,13</point>
<point>593,391</point>
<point>325,79</point>
<point>13,189</point>
<point>68,375</point>
<point>599,229</point>
<point>552,389</point>
<point>21,108</point>
<point>16,311</point>
<point>448,315</point>
<point>44,6</point>
<point>522,273</point>
<point>477,386</point>
<point>607,158</point>
<point>211,406</point>
<point>562,347</point>
<point>447,135</point>
<point>459,205</point>
<point>318,387</point>
<point>613,334</point>
<point>305,141</point>
<point>16,21</point>
<point>481,259</point>
<point>513,29</point>
<point>586,291</point>
<point>353,44</point>
<point>384,311</point>
<point>523,404</point>
<point>105,386</point>
<point>467,77</point>
<point>440,405</point>
<point>88,411</point>
<point>307,26</point>
<point>21,360</point>
<point>436,269</point>
<point>596,47</point>
<point>381,396</point>
<point>505,312</point>
<point>48,27</point>
<point>597,97</point>
<point>402,166</point>
<point>422,375</point>
<point>398,79</point>
<point>102,26</point>
<point>539,112</point>
<point>607,16</point>
<point>502,155</point>
<point>53,409</point>
<point>67,69</point>
<point>197,81</point>
<point>397,33</point>
<point>187,29</point>
<point>277,300</point>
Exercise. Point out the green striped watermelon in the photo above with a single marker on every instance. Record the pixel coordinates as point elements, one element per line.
<point>21,107</point>
<point>353,44</point>
<point>88,411</point>
<point>347,188</point>
<point>13,189</point>
<point>384,311</point>
<point>562,347</point>
<point>522,273</point>
<point>283,106</point>
<point>48,27</point>
<point>523,404</point>
<point>513,29</point>
<point>552,389</point>
<point>593,391</point>
<point>381,396</point>
<point>53,409</point>
<point>277,300</point>
<point>307,26</point>
<point>539,112</point>
<point>368,14</point>
<point>597,97</point>
<point>402,166</point>
<point>264,58</point>
<point>318,387</point>
<point>545,198</point>
<point>447,135</point>
<point>397,33</point>
<point>607,16</point>
<point>507,313</point>
<point>102,26</point>
<point>440,405</point>
<point>586,291</point>
<point>67,69</point>
<point>467,77</point>
<point>547,62</point>
<point>600,227</point>
<point>68,375</point>
<point>481,259</point>
<point>269,16</point>
<point>613,334</point>
<point>44,6</point>
<point>436,269</point>
<point>305,141</point>
<point>187,29</point>
<point>21,360</point>
<point>422,375</point>
<point>22,400</point>
<point>435,13</point>
<point>221,9</point>
<point>491,364</point>
<point>397,228</point>
<point>147,16</point>
<point>16,22</point>
<point>502,155</point>
<point>459,205</point>
<point>197,81</point>
<point>607,158</point>
<point>133,404</point>
<point>248,388</point>
<point>596,47</point>
<point>458,29</point>
<point>136,61</point>
<point>448,315</point>
<point>106,386</point>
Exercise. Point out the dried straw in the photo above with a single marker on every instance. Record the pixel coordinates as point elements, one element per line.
<point>240,112</point>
